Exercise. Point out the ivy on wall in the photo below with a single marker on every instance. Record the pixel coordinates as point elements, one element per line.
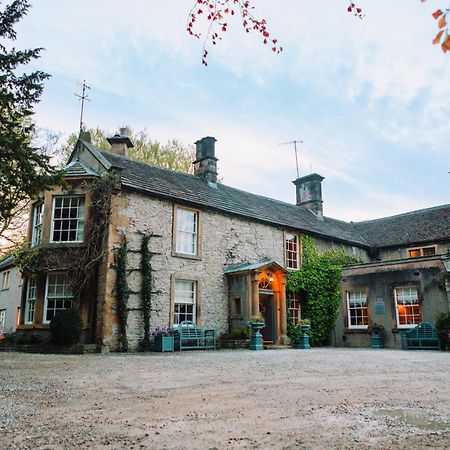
<point>123,294</point>
<point>146,291</point>
<point>319,279</point>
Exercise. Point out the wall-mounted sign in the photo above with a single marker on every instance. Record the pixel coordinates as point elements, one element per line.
<point>380,306</point>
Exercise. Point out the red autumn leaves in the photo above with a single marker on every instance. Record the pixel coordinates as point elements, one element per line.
<point>443,36</point>
<point>216,13</point>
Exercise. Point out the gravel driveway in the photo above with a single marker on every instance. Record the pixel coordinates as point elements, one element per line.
<point>318,398</point>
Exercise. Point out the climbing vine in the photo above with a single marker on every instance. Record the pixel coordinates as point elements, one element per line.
<point>146,292</point>
<point>319,278</point>
<point>123,293</point>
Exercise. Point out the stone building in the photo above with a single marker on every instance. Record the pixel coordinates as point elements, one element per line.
<point>218,254</point>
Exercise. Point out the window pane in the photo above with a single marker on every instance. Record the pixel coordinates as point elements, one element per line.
<point>408,308</point>
<point>68,219</point>
<point>291,251</point>
<point>357,309</point>
<point>186,232</point>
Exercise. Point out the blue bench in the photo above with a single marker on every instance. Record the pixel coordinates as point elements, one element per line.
<point>423,336</point>
<point>189,336</point>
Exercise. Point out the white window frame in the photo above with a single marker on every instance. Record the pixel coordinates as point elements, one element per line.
<point>36,234</point>
<point>182,231</point>
<point>5,279</point>
<point>397,316</point>
<point>68,297</point>
<point>352,308</point>
<point>79,218</point>
<point>295,298</point>
<point>30,301</point>
<point>184,300</point>
<point>291,263</point>
<point>2,320</point>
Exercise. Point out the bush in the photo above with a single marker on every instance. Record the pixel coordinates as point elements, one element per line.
<point>66,327</point>
<point>240,333</point>
<point>443,329</point>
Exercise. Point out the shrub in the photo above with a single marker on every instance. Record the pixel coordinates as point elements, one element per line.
<point>443,329</point>
<point>240,333</point>
<point>66,327</point>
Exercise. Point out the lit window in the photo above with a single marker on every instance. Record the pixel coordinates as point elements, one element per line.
<point>30,300</point>
<point>422,251</point>
<point>185,301</point>
<point>186,231</point>
<point>407,307</point>
<point>68,219</point>
<point>357,309</point>
<point>292,251</point>
<point>5,280</point>
<point>58,295</point>
<point>295,309</point>
<point>37,224</point>
<point>265,281</point>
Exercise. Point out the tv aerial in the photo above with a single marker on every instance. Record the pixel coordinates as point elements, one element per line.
<point>82,98</point>
<point>295,142</point>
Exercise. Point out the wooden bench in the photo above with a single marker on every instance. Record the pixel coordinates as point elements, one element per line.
<point>423,336</point>
<point>188,336</point>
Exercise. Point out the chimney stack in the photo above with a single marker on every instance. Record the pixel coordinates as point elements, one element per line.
<point>120,143</point>
<point>309,193</point>
<point>205,164</point>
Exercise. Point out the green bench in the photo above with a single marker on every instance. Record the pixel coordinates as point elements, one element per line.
<point>423,336</point>
<point>189,336</point>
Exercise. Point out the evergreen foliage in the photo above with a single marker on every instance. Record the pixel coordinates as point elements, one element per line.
<point>66,327</point>
<point>123,293</point>
<point>146,293</point>
<point>24,170</point>
<point>319,278</point>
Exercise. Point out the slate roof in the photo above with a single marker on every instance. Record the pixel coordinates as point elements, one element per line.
<point>6,262</point>
<point>79,169</point>
<point>424,225</point>
<point>186,188</point>
<point>245,266</point>
<point>416,227</point>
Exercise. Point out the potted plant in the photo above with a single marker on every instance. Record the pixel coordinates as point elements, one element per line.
<point>256,340</point>
<point>163,339</point>
<point>303,342</point>
<point>377,335</point>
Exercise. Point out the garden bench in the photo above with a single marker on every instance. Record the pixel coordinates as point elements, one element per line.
<point>188,336</point>
<point>423,336</point>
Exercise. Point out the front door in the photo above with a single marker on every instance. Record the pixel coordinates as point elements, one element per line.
<point>267,310</point>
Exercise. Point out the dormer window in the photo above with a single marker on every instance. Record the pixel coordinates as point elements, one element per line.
<point>68,219</point>
<point>422,251</point>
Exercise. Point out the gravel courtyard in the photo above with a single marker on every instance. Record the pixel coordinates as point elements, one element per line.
<point>280,399</point>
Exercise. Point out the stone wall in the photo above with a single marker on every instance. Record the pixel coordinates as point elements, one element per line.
<point>223,240</point>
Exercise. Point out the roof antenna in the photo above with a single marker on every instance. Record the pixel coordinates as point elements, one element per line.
<point>295,142</point>
<point>82,97</point>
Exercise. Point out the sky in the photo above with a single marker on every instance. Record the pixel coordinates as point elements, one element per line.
<point>369,98</point>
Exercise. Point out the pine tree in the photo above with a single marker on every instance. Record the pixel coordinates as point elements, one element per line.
<point>24,170</point>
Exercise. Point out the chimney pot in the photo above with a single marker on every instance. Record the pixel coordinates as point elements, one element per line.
<point>120,143</point>
<point>205,164</point>
<point>309,193</point>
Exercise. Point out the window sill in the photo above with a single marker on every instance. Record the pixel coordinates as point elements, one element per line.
<point>186,256</point>
<point>357,331</point>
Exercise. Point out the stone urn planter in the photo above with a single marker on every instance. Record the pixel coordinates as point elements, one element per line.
<point>377,336</point>
<point>303,342</point>
<point>256,340</point>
